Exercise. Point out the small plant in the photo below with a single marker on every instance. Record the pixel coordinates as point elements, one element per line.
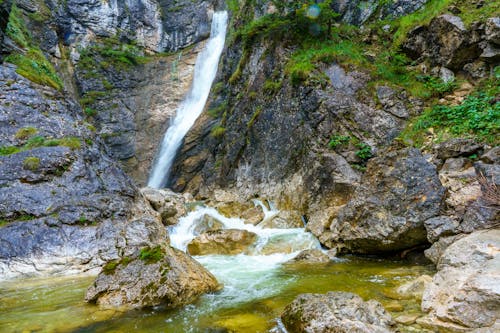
<point>31,163</point>
<point>90,112</point>
<point>110,267</point>
<point>151,255</point>
<point>338,140</point>
<point>364,152</point>
<point>436,85</point>
<point>25,132</point>
<point>271,86</point>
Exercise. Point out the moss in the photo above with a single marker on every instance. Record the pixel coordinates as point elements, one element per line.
<point>25,132</point>
<point>16,28</point>
<point>271,86</point>
<point>110,267</point>
<point>31,163</point>
<point>255,115</point>
<point>217,131</point>
<point>151,255</point>
<point>40,141</point>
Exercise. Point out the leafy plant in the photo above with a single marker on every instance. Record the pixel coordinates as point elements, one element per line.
<point>364,152</point>
<point>151,255</point>
<point>338,140</point>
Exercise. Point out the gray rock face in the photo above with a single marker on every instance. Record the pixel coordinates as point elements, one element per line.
<point>399,192</point>
<point>158,25</point>
<point>465,293</point>
<point>445,41</point>
<point>440,226</point>
<point>68,207</point>
<point>492,30</point>
<point>173,280</point>
<point>335,312</point>
<point>170,205</point>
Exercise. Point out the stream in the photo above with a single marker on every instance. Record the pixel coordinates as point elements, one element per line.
<point>257,287</point>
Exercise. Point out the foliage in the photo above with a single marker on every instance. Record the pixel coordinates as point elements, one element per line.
<point>110,267</point>
<point>478,117</point>
<point>32,64</point>
<point>271,86</point>
<point>31,163</point>
<point>338,140</point>
<point>364,152</point>
<point>151,255</point>
<point>40,141</point>
<point>436,85</point>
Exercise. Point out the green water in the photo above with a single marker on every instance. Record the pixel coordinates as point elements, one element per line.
<point>56,304</point>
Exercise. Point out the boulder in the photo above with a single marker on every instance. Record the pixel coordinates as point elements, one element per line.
<point>228,241</point>
<point>253,215</point>
<point>465,294</point>
<point>284,220</point>
<point>491,54</point>
<point>170,205</point>
<point>207,223</point>
<point>440,226</point>
<point>415,288</point>
<point>492,30</point>
<point>335,312</point>
<point>313,256</point>
<point>456,147</point>
<point>437,249</point>
<point>399,192</point>
<point>158,276</point>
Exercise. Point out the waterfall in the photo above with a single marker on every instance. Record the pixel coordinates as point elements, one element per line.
<point>193,104</point>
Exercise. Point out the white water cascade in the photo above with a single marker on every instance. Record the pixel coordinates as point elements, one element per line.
<point>252,274</point>
<point>192,106</point>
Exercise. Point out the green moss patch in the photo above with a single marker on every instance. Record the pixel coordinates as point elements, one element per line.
<point>151,255</point>
<point>40,141</point>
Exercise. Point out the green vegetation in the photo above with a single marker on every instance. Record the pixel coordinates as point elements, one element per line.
<point>110,267</point>
<point>32,64</point>
<point>152,255</point>
<point>478,117</point>
<point>217,131</point>
<point>338,140</point>
<point>31,163</point>
<point>364,152</point>
<point>25,132</point>
<point>40,141</point>
<point>90,112</point>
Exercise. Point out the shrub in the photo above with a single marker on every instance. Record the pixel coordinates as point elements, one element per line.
<point>338,140</point>
<point>31,163</point>
<point>364,152</point>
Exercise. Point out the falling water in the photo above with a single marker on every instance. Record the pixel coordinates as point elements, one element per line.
<point>192,106</point>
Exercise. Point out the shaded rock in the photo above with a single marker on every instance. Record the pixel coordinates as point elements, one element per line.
<point>492,30</point>
<point>170,205</point>
<point>415,288</point>
<point>456,147</point>
<point>399,192</point>
<point>437,249</point>
<point>172,279</point>
<point>228,241</point>
<point>465,292</point>
<point>440,226</point>
<point>311,257</point>
<point>491,156</point>
<point>477,69</point>
<point>338,312</point>
<point>491,54</point>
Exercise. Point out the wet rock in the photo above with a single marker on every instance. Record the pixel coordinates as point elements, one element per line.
<point>464,292</point>
<point>284,220</point>
<point>406,319</point>
<point>399,192</point>
<point>311,257</point>
<point>253,215</point>
<point>169,278</point>
<point>335,312</point>
<point>415,288</point>
<point>228,241</point>
<point>207,223</point>
<point>170,205</point>
<point>394,306</point>
<point>440,226</point>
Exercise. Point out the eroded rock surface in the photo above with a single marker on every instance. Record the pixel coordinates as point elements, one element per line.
<point>335,312</point>
<point>171,280</point>
<point>465,294</point>
<point>226,241</point>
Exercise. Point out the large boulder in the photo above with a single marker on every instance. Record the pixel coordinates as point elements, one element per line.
<point>465,294</point>
<point>157,276</point>
<point>399,192</point>
<point>335,312</point>
<point>169,204</point>
<point>226,241</point>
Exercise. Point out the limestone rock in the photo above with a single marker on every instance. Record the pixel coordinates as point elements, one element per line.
<point>227,241</point>
<point>492,30</point>
<point>399,192</point>
<point>253,215</point>
<point>437,249</point>
<point>440,226</point>
<point>170,205</point>
<point>284,220</point>
<point>311,257</point>
<point>456,147</point>
<point>492,156</point>
<point>335,312</point>
<point>465,291</point>
<point>415,288</point>
<point>207,223</point>
<point>172,280</point>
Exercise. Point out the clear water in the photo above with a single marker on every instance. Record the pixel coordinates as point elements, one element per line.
<point>257,286</point>
<point>192,106</point>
